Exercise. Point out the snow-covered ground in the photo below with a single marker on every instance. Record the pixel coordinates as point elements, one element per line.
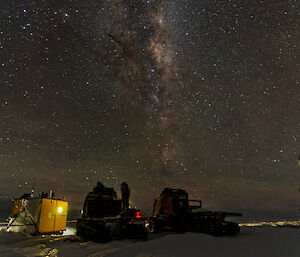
<point>251,241</point>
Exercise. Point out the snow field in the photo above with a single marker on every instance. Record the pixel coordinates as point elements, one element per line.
<point>250,242</point>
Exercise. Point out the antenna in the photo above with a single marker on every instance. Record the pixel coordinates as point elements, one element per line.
<point>35,184</point>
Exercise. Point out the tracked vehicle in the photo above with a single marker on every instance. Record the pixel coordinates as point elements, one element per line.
<point>174,211</point>
<point>104,217</point>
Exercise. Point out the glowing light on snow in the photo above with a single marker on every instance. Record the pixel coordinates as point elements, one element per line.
<point>294,223</point>
<point>70,231</point>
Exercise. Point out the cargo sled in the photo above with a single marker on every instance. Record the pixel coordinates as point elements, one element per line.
<point>38,215</point>
<point>173,211</point>
<point>104,217</point>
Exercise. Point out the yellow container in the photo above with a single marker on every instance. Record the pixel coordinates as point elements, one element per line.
<point>53,216</point>
<point>38,216</point>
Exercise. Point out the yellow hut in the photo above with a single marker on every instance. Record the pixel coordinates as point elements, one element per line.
<point>40,215</point>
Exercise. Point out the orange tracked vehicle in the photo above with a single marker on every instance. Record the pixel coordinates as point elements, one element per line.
<point>174,211</point>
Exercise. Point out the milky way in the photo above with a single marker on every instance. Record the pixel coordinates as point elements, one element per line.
<point>202,95</point>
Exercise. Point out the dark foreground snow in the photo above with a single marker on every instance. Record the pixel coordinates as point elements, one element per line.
<point>251,241</point>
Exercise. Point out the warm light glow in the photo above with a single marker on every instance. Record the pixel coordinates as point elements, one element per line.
<point>288,223</point>
<point>60,209</point>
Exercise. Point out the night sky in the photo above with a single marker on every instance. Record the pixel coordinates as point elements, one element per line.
<point>196,94</point>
